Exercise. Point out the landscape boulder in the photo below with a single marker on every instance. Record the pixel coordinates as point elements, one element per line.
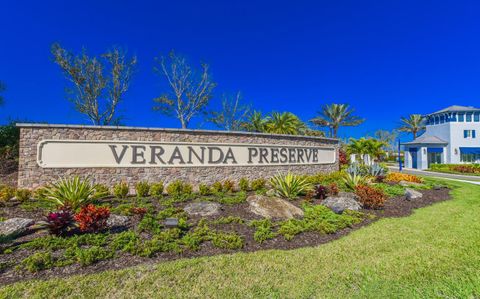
<point>341,202</point>
<point>117,221</point>
<point>272,207</point>
<point>15,226</point>
<point>406,184</point>
<point>202,208</point>
<point>411,194</point>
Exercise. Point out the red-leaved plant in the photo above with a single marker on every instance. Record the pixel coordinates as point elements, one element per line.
<point>59,222</point>
<point>92,218</point>
<point>371,198</point>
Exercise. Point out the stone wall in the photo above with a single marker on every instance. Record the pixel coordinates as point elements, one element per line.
<point>31,175</point>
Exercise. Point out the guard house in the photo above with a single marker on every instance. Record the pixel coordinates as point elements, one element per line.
<point>450,138</point>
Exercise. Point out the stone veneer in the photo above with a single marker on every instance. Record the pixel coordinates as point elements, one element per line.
<point>31,175</point>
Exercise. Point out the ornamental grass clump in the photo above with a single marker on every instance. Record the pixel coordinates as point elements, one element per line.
<point>120,190</point>
<point>290,185</point>
<point>156,190</point>
<point>244,184</point>
<point>142,189</point>
<point>6,193</point>
<point>23,194</point>
<point>72,193</point>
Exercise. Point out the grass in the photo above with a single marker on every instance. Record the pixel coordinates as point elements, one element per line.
<point>433,253</point>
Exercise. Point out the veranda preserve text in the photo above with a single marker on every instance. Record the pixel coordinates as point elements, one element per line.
<point>56,153</point>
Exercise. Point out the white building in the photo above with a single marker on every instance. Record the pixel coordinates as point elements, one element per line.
<point>450,138</point>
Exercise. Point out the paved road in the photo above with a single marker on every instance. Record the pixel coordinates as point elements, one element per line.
<point>455,177</point>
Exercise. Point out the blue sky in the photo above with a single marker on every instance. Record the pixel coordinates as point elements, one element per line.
<point>385,58</point>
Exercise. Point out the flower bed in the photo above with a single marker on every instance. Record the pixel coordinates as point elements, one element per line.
<point>469,169</point>
<point>158,227</point>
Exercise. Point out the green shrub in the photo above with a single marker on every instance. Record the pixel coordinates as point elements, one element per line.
<point>101,191</point>
<point>228,220</point>
<point>258,184</point>
<point>149,224</point>
<point>126,241</point>
<point>178,187</point>
<point>120,190</point>
<point>290,185</point>
<point>204,190</point>
<point>227,241</point>
<point>72,192</point>
<point>263,230</point>
<point>228,186</point>
<point>88,256</point>
<point>156,190</point>
<point>39,193</point>
<point>244,184</point>
<point>37,262</point>
<point>23,194</point>
<point>235,198</point>
<point>217,187</point>
<point>6,193</point>
<point>142,189</point>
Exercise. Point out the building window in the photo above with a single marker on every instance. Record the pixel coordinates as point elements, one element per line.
<point>469,158</point>
<point>469,134</point>
<point>453,117</point>
<point>469,117</point>
<point>476,117</point>
<point>442,119</point>
<point>461,117</point>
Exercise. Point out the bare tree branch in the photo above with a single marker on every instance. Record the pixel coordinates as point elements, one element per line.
<point>232,115</point>
<point>96,92</point>
<point>189,93</point>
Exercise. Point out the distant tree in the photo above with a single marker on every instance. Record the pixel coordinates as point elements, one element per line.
<point>414,123</point>
<point>99,84</point>
<point>2,89</point>
<point>334,116</point>
<point>366,146</point>
<point>315,133</point>
<point>255,122</point>
<point>285,123</point>
<point>190,91</point>
<point>232,114</point>
<point>389,138</point>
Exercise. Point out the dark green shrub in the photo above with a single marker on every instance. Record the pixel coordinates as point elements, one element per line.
<point>37,262</point>
<point>142,189</point>
<point>235,198</point>
<point>156,190</point>
<point>23,194</point>
<point>125,241</point>
<point>120,190</point>
<point>258,184</point>
<point>244,184</point>
<point>217,187</point>
<point>6,193</point>
<point>228,186</point>
<point>204,190</point>
<point>178,187</point>
<point>227,240</point>
<point>149,224</point>
<point>228,220</point>
<point>88,256</point>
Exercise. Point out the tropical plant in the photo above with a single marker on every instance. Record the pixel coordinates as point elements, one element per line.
<point>364,146</point>
<point>72,193</point>
<point>354,169</point>
<point>255,122</point>
<point>376,170</point>
<point>92,218</point>
<point>290,185</point>
<point>59,222</point>
<point>321,192</point>
<point>190,92</point>
<point>285,123</point>
<point>371,198</point>
<point>23,194</point>
<point>351,181</point>
<point>334,116</point>
<point>414,123</point>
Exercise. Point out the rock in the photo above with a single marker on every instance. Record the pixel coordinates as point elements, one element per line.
<point>202,208</point>
<point>117,221</point>
<point>406,184</point>
<point>15,226</point>
<point>272,207</point>
<point>411,194</point>
<point>341,202</point>
<point>270,192</point>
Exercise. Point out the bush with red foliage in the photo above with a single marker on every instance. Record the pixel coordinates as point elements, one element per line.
<point>92,218</point>
<point>333,189</point>
<point>465,169</point>
<point>342,157</point>
<point>371,198</point>
<point>60,222</point>
<point>138,211</point>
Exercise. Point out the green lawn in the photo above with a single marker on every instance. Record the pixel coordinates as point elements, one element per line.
<point>433,253</point>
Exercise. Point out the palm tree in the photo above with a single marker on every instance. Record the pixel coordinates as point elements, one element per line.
<point>285,123</point>
<point>363,146</point>
<point>414,124</point>
<point>334,116</point>
<point>256,122</point>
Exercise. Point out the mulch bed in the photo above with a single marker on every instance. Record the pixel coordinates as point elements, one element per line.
<point>394,207</point>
